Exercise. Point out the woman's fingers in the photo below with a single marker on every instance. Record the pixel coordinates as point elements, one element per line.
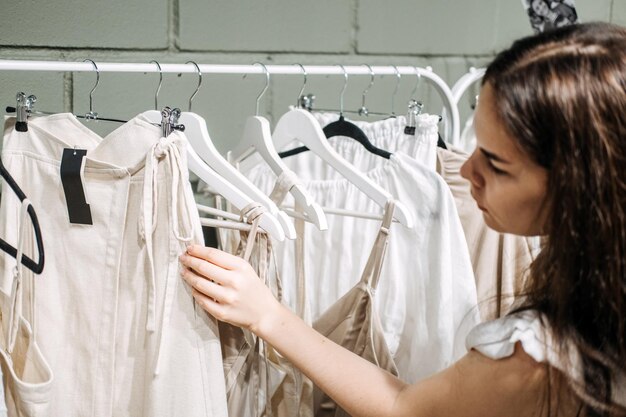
<point>216,256</point>
<point>205,286</point>
<point>227,287</point>
<point>211,306</point>
<point>206,269</point>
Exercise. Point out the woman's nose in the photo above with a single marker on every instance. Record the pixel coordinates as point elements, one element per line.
<point>469,172</point>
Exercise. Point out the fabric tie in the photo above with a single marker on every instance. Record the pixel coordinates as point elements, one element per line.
<point>251,214</point>
<point>284,183</point>
<point>165,151</point>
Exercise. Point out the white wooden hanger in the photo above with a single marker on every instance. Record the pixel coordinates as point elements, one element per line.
<point>233,194</point>
<point>198,136</point>
<point>301,125</point>
<point>257,136</point>
<point>238,199</point>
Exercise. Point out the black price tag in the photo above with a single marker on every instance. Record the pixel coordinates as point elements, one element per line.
<point>71,170</point>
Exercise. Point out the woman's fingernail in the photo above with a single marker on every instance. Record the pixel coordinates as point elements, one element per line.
<point>189,248</point>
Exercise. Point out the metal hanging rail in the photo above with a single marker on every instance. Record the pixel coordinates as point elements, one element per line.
<point>453,127</point>
<point>63,66</point>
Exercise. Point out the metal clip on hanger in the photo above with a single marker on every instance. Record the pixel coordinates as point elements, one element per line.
<point>22,110</point>
<point>257,137</point>
<point>414,109</point>
<point>206,173</point>
<point>169,121</point>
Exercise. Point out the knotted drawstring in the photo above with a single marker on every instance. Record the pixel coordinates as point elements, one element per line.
<point>251,214</point>
<point>167,151</point>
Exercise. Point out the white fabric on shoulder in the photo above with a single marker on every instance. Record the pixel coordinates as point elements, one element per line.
<point>496,339</point>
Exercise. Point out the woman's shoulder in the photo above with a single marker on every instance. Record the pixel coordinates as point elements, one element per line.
<point>530,330</point>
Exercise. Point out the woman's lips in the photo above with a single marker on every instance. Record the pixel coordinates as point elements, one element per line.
<point>476,200</point>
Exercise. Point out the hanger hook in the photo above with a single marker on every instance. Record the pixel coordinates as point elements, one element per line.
<point>92,114</point>
<point>199,83</point>
<point>303,85</point>
<point>363,111</point>
<point>345,85</point>
<point>267,84</point>
<point>395,91</point>
<point>417,83</point>
<point>156,94</point>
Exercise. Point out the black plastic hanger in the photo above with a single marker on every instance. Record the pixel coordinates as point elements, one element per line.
<point>36,267</point>
<point>440,142</point>
<point>342,127</point>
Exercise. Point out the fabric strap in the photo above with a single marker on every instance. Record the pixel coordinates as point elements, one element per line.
<point>371,273</point>
<point>164,151</point>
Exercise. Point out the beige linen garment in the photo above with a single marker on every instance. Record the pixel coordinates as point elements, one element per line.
<point>353,322</point>
<point>27,375</point>
<point>295,396</point>
<point>499,260</point>
<point>115,320</point>
<point>251,375</point>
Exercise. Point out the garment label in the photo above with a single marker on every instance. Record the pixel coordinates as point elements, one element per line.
<point>72,165</point>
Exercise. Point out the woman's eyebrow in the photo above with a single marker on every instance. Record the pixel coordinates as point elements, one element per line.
<point>493,156</point>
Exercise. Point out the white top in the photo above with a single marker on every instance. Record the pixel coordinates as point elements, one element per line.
<point>496,340</point>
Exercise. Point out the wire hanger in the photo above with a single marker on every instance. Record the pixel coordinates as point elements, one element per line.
<point>342,127</point>
<point>395,91</point>
<point>364,111</point>
<point>238,198</point>
<point>25,107</point>
<point>35,266</point>
<point>257,137</point>
<point>301,125</point>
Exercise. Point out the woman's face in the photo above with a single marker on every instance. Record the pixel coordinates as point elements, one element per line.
<point>508,186</point>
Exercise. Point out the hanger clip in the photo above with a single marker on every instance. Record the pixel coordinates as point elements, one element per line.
<point>306,102</point>
<point>169,121</point>
<point>24,107</point>
<point>414,109</point>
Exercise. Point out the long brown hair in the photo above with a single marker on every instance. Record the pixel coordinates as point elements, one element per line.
<point>562,96</point>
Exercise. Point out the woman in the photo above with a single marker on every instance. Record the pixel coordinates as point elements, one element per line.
<point>550,160</point>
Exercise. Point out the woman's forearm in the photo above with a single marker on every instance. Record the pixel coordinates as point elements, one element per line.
<point>358,386</point>
<point>228,288</point>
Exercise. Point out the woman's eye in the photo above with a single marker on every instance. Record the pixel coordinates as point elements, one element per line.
<point>496,170</point>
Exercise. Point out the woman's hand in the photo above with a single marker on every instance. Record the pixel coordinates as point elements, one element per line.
<point>227,287</point>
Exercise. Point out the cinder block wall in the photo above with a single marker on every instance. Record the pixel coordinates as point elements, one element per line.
<point>450,36</point>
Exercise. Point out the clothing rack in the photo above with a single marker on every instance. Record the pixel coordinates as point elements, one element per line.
<point>452,128</point>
